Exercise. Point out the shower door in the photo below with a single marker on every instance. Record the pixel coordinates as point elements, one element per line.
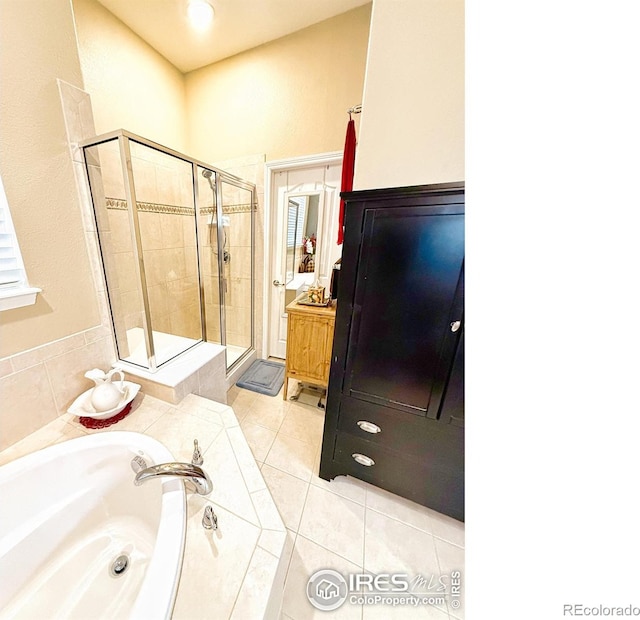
<point>145,221</point>
<point>236,242</point>
<point>167,233</point>
<point>226,225</point>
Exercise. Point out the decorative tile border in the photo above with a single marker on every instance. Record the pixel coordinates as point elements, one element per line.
<point>240,208</point>
<point>153,207</point>
<point>121,205</point>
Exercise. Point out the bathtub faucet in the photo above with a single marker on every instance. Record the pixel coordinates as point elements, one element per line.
<point>195,474</point>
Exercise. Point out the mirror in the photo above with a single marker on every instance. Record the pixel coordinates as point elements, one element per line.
<point>302,227</point>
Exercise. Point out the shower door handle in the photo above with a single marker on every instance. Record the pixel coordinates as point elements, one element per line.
<point>278,283</point>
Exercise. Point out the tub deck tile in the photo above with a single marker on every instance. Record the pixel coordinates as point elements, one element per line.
<point>241,565</point>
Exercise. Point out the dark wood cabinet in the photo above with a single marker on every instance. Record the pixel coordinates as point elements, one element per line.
<point>395,402</point>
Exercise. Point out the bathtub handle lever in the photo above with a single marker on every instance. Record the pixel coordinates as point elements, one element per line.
<point>209,519</point>
<point>192,472</point>
<point>196,459</point>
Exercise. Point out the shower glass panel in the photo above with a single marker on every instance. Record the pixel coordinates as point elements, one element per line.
<point>176,238</point>
<point>116,239</point>
<point>236,239</point>
<point>166,218</point>
<point>208,246</point>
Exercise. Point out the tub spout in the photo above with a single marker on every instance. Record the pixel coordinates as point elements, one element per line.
<point>195,474</point>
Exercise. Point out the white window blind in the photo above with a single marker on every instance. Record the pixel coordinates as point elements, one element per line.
<point>14,288</point>
<point>291,224</point>
<point>11,267</point>
<point>295,221</point>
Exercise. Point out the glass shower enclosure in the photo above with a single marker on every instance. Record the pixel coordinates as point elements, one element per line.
<point>177,240</point>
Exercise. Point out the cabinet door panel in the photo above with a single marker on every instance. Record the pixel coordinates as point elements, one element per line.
<point>408,272</point>
<point>309,354</point>
<point>452,411</point>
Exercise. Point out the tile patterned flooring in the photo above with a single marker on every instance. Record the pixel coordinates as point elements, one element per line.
<point>345,524</point>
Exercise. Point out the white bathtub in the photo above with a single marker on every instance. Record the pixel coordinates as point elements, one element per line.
<point>68,511</point>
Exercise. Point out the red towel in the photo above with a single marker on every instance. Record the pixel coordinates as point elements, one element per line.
<point>348,162</point>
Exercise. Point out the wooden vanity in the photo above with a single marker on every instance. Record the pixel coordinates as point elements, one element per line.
<point>309,344</point>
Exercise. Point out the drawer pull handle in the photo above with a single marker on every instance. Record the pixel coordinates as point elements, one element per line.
<point>363,460</point>
<point>369,427</point>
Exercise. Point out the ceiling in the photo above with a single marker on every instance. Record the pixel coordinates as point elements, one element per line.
<point>238,25</point>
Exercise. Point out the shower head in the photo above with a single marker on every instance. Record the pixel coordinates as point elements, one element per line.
<point>208,174</point>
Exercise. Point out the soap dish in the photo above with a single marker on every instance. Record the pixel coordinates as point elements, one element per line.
<point>83,408</point>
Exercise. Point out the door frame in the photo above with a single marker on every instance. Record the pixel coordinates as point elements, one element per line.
<point>271,168</point>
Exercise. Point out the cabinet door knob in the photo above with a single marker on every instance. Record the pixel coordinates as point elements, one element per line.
<point>363,460</point>
<point>455,326</point>
<point>369,427</point>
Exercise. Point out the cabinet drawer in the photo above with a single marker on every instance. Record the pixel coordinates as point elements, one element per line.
<point>399,431</point>
<point>429,480</point>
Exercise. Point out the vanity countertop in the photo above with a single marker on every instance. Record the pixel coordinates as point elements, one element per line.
<point>329,310</point>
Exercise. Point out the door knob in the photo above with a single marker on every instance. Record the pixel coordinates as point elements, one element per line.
<point>277,283</point>
<point>455,326</point>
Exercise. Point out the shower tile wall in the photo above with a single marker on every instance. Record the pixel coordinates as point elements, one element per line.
<point>102,163</point>
<point>249,168</point>
<point>124,290</point>
<point>169,246</point>
<point>40,384</point>
<point>168,241</point>
<point>164,194</point>
<point>237,205</point>
<point>236,240</point>
<point>208,259</point>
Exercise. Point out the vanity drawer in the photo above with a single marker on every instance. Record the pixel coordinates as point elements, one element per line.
<point>404,432</point>
<point>428,479</point>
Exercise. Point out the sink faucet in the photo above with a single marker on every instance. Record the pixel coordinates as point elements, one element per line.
<point>195,474</point>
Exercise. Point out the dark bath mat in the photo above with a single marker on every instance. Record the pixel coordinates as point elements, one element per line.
<point>263,377</point>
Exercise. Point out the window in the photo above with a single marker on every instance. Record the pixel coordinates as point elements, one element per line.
<point>14,287</point>
<point>295,221</point>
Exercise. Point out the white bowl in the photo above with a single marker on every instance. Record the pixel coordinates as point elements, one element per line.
<point>83,408</point>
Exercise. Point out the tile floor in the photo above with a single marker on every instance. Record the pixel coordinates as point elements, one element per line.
<point>345,524</point>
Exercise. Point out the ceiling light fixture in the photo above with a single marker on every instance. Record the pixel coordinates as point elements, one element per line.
<point>200,14</point>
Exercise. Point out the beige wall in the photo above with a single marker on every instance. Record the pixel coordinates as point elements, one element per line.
<point>285,98</point>
<point>37,45</point>
<point>412,126</point>
<point>131,86</point>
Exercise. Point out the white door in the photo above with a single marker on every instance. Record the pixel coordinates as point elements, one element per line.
<point>304,204</point>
